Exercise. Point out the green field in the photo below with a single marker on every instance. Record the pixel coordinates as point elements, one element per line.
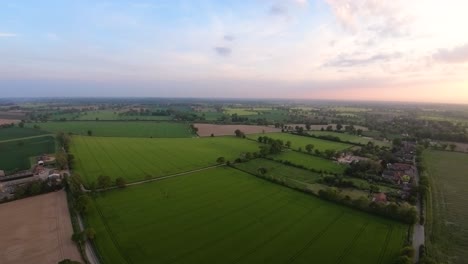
<point>226,216</point>
<point>18,132</point>
<point>447,214</point>
<point>105,115</point>
<point>121,129</point>
<point>138,158</point>
<point>351,138</point>
<point>310,161</point>
<point>15,155</point>
<point>302,141</point>
<point>278,170</point>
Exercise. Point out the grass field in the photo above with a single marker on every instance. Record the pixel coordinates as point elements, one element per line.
<point>18,132</point>
<point>15,155</point>
<point>226,216</point>
<point>278,170</point>
<point>121,129</point>
<point>447,220</point>
<point>239,111</point>
<point>302,141</point>
<point>310,161</point>
<point>351,138</point>
<point>137,158</point>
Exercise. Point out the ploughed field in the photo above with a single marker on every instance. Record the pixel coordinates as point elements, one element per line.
<point>223,215</point>
<point>302,141</point>
<point>144,129</point>
<point>141,158</point>
<point>447,215</point>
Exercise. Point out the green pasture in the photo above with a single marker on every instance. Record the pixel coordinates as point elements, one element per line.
<point>351,138</point>
<point>278,170</point>
<point>138,158</point>
<point>226,216</point>
<point>302,141</point>
<point>18,132</point>
<point>120,128</point>
<point>14,155</point>
<point>447,211</point>
<point>310,161</point>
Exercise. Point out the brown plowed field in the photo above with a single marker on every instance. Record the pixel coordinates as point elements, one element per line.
<point>205,130</point>
<point>37,230</point>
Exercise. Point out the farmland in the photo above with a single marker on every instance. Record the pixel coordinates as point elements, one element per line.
<point>447,214</point>
<point>205,130</point>
<point>121,129</point>
<point>351,138</point>
<point>37,230</point>
<point>138,158</point>
<point>209,217</point>
<point>17,132</point>
<point>14,155</point>
<point>302,141</point>
<point>310,161</point>
<point>278,170</point>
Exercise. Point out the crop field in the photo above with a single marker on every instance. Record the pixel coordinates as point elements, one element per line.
<point>447,215</point>
<point>205,130</point>
<point>351,138</point>
<point>137,158</point>
<point>17,132</point>
<point>121,129</point>
<point>105,115</point>
<point>226,216</point>
<point>14,155</point>
<point>302,141</point>
<point>310,161</point>
<point>278,170</point>
<point>239,111</point>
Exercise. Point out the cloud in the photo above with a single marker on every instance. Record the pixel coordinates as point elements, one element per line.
<point>7,35</point>
<point>222,51</point>
<point>278,10</point>
<point>456,55</point>
<point>229,37</point>
<point>384,18</point>
<point>346,60</point>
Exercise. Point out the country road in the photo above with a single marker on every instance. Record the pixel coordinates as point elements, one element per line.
<point>89,249</point>
<point>418,229</point>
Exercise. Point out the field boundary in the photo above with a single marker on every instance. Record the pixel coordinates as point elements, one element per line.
<point>25,138</point>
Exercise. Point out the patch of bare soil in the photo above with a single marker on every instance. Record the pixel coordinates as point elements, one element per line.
<point>37,230</point>
<point>205,130</point>
<point>8,121</point>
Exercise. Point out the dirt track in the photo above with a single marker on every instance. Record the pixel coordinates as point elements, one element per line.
<point>37,230</point>
<point>205,130</point>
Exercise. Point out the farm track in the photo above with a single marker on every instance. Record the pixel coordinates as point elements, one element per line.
<point>315,238</point>
<point>351,243</point>
<point>272,238</point>
<point>25,138</point>
<point>231,232</point>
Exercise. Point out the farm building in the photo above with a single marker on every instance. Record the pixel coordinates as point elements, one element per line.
<point>380,198</point>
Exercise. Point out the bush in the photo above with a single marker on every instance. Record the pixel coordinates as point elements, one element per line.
<point>120,182</point>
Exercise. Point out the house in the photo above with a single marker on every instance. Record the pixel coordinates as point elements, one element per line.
<point>380,198</point>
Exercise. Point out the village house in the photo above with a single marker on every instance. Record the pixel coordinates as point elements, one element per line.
<point>380,198</point>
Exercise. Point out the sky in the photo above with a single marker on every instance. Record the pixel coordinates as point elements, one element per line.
<point>383,50</point>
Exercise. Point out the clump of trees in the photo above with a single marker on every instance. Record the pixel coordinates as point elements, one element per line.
<point>239,133</point>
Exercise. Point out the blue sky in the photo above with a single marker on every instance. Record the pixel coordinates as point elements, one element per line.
<point>323,49</point>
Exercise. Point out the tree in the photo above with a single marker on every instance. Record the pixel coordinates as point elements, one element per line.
<point>239,133</point>
<point>78,237</point>
<point>90,233</point>
<point>307,125</point>
<point>408,251</point>
<point>329,128</point>
<point>220,160</point>
<point>82,203</point>
<point>309,148</point>
<point>61,159</point>
<point>120,182</point>
<point>104,181</point>
<point>339,127</point>
<point>262,170</point>
<point>21,124</point>
<point>452,147</point>
<point>90,133</point>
